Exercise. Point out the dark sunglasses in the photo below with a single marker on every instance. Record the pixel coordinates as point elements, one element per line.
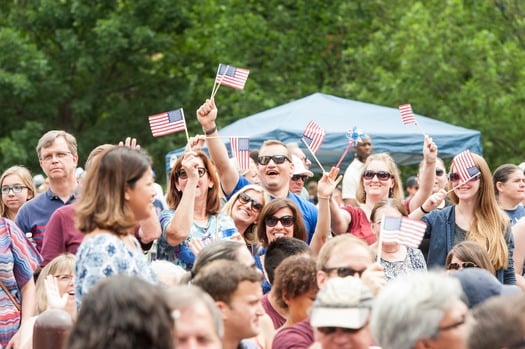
<point>381,175</point>
<point>464,265</point>
<point>183,175</point>
<point>330,330</point>
<point>344,271</point>
<point>439,172</point>
<point>245,198</point>
<point>454,177</point>
<point>286,221</point>
<point>297,177</point>
<point>277,159</point>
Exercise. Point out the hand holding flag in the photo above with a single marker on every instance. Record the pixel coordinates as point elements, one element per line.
<point>230,76</point>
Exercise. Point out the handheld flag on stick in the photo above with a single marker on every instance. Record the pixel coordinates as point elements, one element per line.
<point>240,147</point>
<point>167,123</point>
<point>312,138</point>
<point>354,135</point>
<point>401,230</point>
<point>408,117</point>
<point>465,167</point>
<point>230,76</point>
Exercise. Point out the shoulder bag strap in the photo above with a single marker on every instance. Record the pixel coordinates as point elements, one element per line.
<point>18,307</point>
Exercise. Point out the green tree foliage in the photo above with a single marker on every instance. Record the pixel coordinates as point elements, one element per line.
<point>99,68</point>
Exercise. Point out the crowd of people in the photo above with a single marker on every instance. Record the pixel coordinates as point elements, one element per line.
<point>266,257</point>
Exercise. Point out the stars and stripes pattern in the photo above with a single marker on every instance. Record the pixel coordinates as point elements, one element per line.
<point>403,230</point>
<point>240,147</point>
<point>314,136</point>
<point>407,116</point>
<point>167,123</point>
<point>231,76</point>
<point>465,166</point>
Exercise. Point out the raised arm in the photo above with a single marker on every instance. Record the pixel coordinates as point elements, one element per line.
<point>228,174</point>
<point>325,188</point>
<point>427,174</point>
<point>430,204</point>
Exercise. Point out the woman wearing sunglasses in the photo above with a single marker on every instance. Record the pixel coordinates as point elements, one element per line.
<point>475,216</point>
<point>194,203</point>
<point>379,181</point>
<point>245,207</point>
<point>468,254</point>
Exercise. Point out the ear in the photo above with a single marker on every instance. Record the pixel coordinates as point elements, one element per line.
<point>499,186</point>
<point>223,307</point>
<point>127,192</point>
<point>321,278</point>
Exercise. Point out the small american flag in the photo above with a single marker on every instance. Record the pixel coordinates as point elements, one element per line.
<point>240,147</point>
<point>167,123</point>
<point>403,230</point>
<point>313,136</point>
<point>231,76</point>
<point>407,116</point>
<point>465,165</point>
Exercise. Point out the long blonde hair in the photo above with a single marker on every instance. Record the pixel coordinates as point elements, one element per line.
<point>490,222</point>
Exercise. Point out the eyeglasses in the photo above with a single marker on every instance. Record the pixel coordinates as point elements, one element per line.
<point>295,178</point>
<point>330,330</point>
<point>59,156</point>
<point>64,277</point>
<point>245,198</point>
<point>464,265</point>
<point>15,188</point>
<point>286,221</point>
<point>454,177</point>
<point>439,172</point>
<point>344,271</point>
<point>381,175</point>
<point>183,175</point>
<point>277,159</point>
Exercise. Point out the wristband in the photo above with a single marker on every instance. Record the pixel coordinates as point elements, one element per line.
<point>423,210</point>
<point>323,197</point>
<point>210,131</point>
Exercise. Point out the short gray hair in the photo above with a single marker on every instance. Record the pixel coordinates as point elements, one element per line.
<point>411,307</point>
<point>49,137</point>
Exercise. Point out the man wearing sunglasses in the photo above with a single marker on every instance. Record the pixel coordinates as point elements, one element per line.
<point>341,257</point>
<point>299,178</point>
<point>274,165</point>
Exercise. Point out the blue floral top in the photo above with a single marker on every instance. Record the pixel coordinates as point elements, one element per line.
<point>105,255</point>
<point>181,254</point>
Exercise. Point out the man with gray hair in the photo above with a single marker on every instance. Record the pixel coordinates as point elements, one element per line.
<point>57,154</point>
<point>421,311</point>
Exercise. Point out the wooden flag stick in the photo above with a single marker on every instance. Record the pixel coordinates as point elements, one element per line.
<point>216,85</point>
<point>311,152</point>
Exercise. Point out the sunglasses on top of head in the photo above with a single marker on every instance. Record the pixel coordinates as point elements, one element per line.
<point>277,159</point>
<point>381,175</point>
<point>245,198</point>
<point>286,221</point>
<point>183,175</point>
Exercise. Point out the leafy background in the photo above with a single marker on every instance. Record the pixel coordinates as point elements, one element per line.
<point>98,68</point>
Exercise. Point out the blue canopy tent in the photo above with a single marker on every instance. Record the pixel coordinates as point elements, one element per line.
<point>337,115</point>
